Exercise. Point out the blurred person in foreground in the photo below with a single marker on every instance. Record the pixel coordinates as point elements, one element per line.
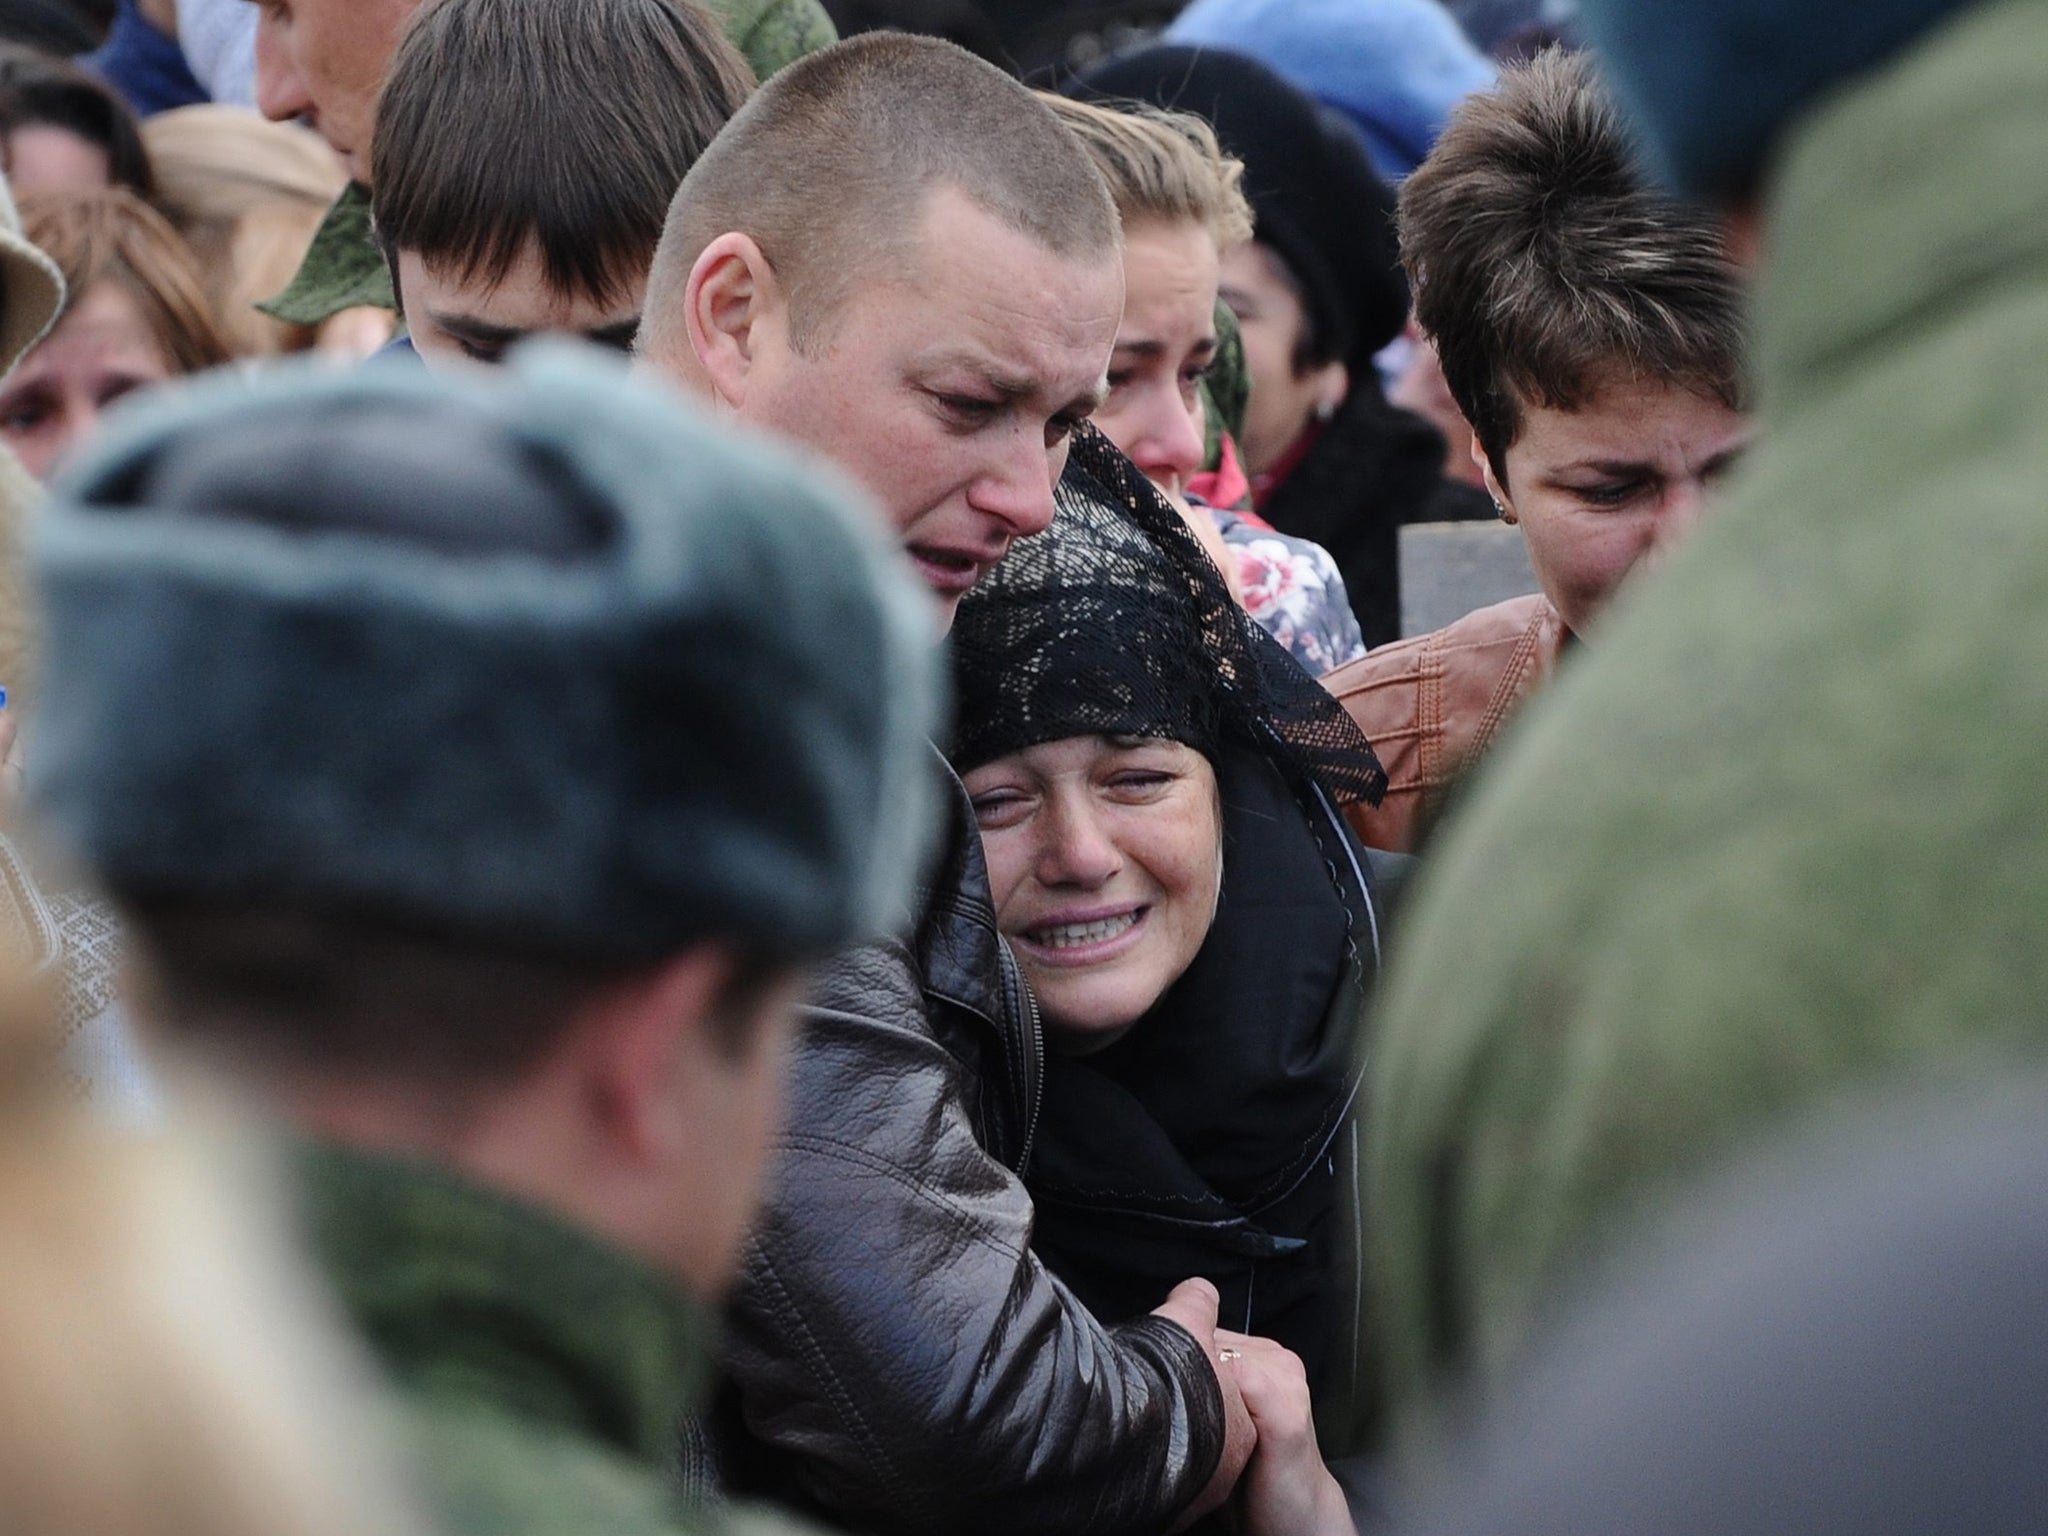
<point>1177,196</point>
<point>323,62</point>
<point>135,316</point>
<point>896,256</point>
<point>1591,330</point>
<point>1317,291</point>
<point>247,195</point>
<point>498,224</point>
<point>1158,789</point>
<point>1839,1335</point>
<point>1780,833</point>
<point>65,932</point>
<point>521,980</point>
<point>167,1364</point>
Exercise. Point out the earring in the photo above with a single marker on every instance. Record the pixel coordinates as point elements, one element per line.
<point>1325,410</point>
<point>1500,510</point>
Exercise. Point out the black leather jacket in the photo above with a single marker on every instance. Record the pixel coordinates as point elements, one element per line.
<point>897,1354</point>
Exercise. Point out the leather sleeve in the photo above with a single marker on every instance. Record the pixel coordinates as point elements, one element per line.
<point>893,1334</point>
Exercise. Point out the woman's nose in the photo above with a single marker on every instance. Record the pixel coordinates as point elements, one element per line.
<point>1078,849</point>
<point>1172,441</point>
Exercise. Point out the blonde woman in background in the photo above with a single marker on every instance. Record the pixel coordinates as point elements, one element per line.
<point>1182,209</point>
<point>247,194</point>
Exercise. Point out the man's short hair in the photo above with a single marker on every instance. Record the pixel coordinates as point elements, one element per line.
<point>506,125</point>
<point>343,995</point>
<point>1161,166</point>
<point>1543,260</point>
<point>829,166</point>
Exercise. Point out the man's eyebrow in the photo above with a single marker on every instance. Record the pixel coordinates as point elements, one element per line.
<point>1009,387</point>
<point>988,372</point>
<point>1616,469</point>
<point>481,333</point>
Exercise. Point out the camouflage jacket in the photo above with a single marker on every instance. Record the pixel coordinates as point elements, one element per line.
<point>343,268</point>
<point>545,1376</point>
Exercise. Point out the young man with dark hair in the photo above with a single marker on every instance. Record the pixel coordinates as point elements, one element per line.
<point>498,223</point>
<point>897,256</point>
<point>523,977</point>
<point>322,62</point>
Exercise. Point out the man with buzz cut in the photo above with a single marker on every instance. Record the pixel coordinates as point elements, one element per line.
<point>897,257</point>
<point>477,764</point>
<point>323,62</point>
<point>498,224</point>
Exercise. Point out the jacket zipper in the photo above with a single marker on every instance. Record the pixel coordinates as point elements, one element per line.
<point>1034,1067</point>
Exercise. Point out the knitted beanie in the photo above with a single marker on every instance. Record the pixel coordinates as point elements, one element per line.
<point>1714,82</point>
<point>536,657</point>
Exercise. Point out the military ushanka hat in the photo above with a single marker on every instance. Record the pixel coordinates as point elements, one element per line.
<point>541,656</point>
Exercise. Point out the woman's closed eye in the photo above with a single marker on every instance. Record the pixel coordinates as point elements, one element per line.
<point>998,808</point>
<point>1609,493</point>
<point>1141,783</point>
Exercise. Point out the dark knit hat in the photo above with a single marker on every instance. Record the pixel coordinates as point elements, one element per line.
<point>1316,199</point>
<point>1714,82</point>
<point>538,657</point>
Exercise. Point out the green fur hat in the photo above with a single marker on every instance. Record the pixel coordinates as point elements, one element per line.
<point>540,657</point>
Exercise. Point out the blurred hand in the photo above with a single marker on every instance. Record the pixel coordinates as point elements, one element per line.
<point>10,765</point>
<point>353,334</point>
<point>1193,1305</point>
<point>1286,1490</point>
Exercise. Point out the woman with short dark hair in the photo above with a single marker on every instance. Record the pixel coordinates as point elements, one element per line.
<point>62,129</point>
<point>1590,330</point>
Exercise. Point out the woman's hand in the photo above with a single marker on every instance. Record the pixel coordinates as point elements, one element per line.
<point>1286,1490</point>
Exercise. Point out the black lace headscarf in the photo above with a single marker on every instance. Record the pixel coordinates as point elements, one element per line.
<point>1204,1141</point>
<point>1116,622</point>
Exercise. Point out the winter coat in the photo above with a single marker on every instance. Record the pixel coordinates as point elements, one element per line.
<point>1432,705</point>
<point>1782,835</point>
<point>1370,469</point>
<point>897,1352</point>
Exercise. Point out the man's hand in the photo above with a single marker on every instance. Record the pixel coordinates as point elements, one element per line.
<point>1193,1305</point>
<point>1286,1491</point>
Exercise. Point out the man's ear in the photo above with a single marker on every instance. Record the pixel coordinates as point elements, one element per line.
<point>733,308</point>
<point>646,1038</point>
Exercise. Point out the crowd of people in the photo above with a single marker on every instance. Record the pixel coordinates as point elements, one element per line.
<point>715,814</point>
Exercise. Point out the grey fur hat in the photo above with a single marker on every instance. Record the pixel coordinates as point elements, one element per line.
<point>543,657</point>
